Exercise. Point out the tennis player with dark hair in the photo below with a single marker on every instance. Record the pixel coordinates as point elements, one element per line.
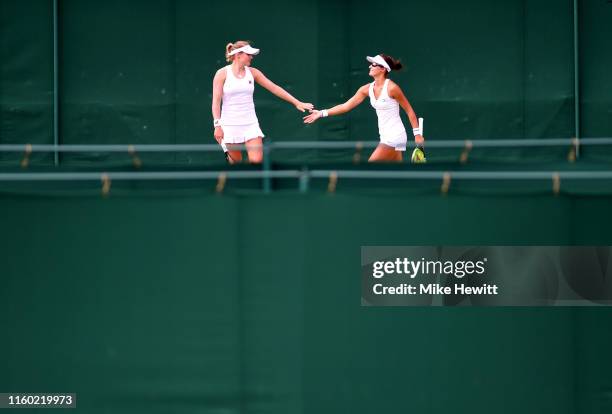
<point>235,121</point>
<point>386,97</point>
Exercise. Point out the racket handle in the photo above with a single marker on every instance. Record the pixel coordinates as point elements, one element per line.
<point>223,146</point>
<point>421,125</point>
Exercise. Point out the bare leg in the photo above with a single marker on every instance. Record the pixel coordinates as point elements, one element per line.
<point>235,153</point>
<point>255,150</point>
<point>385,153</point>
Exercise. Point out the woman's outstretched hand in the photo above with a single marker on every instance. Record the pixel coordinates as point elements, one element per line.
<point>312,117</point>
<point>304,106</point>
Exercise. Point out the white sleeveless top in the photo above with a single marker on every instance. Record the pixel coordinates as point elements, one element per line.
<point>237,106</point>
<point>390,126</point>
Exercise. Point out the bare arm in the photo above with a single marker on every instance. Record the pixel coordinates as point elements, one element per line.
<point>358,98</point>
<point>396,93</point>
<point>264,82</point>
<point>218,82</point>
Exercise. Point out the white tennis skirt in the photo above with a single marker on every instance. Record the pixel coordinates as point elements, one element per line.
<point>239,134</point>
<point>398,142</point>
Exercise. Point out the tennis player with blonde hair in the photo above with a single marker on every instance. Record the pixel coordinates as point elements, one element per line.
<point>235,121</point>
<point>386,97</point>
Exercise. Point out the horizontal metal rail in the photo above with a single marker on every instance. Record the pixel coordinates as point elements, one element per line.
<point>462,175</point>
<point>351,174</point>
<point>303,145</point>
<point>140,176</point>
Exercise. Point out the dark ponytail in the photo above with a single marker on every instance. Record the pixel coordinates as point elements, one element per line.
<point>393,63</point>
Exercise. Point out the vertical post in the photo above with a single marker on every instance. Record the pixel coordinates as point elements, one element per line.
<point>523,72</point>
<point>576,80</point>
<point>267,183</point>
<point>55,84</point>
<point>304,180</point>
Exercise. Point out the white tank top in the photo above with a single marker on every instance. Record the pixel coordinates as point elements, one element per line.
<point>390,124</point>
<point>237,107</point>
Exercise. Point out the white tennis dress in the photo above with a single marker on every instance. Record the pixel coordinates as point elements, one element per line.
<point>390,126</point>
<point>238,119</point>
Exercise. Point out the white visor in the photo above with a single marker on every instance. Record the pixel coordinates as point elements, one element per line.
<point>246,49</point>
<point>379,61</point>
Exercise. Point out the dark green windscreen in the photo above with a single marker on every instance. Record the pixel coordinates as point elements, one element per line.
<point>189,302</point>
<point>237,303</point>
<point>142,72</point>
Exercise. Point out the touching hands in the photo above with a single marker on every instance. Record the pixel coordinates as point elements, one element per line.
<point>312,117</point>
<point>303,107</point>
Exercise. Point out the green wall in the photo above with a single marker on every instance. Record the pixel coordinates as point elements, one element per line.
<point>142,72</point>
<point>26,73</point>
<point>187,302</point>
<point>244,303</point>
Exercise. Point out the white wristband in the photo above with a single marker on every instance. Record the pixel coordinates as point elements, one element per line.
<point>324,113</point>
<point>419,130</point>
<point>217,123</point>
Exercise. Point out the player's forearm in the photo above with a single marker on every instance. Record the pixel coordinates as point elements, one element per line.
<point>284,95</point>
<point>414,121</point>
<point>216,108</point>
<point>338,110</point>
<point>412,117</point>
